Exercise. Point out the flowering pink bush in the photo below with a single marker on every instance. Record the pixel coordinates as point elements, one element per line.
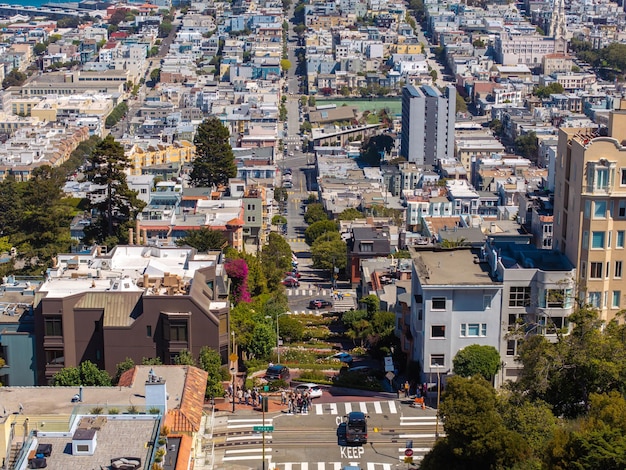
<point>237,270</point>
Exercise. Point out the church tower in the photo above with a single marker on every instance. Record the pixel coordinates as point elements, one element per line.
<point>558,27</point>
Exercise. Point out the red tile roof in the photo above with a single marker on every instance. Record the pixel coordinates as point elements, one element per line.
<point>188,416</point>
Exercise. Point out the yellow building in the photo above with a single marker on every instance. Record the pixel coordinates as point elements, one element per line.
<point>158,154</point>
<point>590,209</point>
<point>54,108</point>
<point>408,48</point>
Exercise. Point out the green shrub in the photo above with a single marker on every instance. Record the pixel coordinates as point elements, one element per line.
<point>357,380</point>
<point>276,385</point>
<point>96,410</point>
<point>298,356</point>
<point>154,411</point>
<point>132,409</point>
<point>114,411</point>
<point>311,375</point>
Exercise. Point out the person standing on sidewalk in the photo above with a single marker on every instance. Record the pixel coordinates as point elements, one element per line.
<point>406,389</point>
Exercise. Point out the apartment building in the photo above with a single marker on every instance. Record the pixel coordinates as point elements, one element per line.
<point>590,209</point>
<point>136,301</point>
<point>428,118</point>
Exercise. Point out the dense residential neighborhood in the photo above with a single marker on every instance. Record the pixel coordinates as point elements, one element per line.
<point>347,235</point>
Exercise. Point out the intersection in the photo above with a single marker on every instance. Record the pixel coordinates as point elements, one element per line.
<point>311,441</point>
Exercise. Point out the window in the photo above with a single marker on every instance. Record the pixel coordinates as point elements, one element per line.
<point>597,240</point>
<point>54,326</point>
<point>438,303</point>
<point>595,299</point>
<point>178,332</point>
<point>599,209</point>
<point>585,240</point>
<point>511,347</point>
<point>602,178</point>
<point>366,247</point>
<point>556,298</point>
<point>438,331</point>
<point>623,180</point>
<point>55,357</point>
<point>473,329</point>
<point>149,331</point>
<point>251,207</point>
<point>437,360</point>
<point>616,299</point>
<point>519,297</point>
<point>144,191</point>
<point>587,209</point>
<point>595,270</point>
<point>619,239</point>
<point>618,269</point>
<point>621,209</point>
<point>82,447</point>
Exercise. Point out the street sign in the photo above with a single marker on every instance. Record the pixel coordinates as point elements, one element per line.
<point>233,357</point>
<point>408,452</point>
<point>390,375</point>
<point>263,428</point>
<point>389,364</point>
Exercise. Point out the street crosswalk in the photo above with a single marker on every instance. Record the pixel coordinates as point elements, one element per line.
<point>330,466</point>
<point>367,407</point>
<point>296,240</point>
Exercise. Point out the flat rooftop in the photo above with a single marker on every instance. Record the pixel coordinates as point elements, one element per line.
<point>454,267</point>
<point>116,438</point>
<point>58,400</point>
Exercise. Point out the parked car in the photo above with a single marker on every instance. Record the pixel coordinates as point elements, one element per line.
<point>277,372</point>
<point>295,274</point>
<point>319,303</point>
<point>287,185</point>
<point>315,391</point>
<point>287,171</point>
<point>343,357</point>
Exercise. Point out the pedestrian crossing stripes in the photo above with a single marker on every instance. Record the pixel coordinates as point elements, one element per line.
<point>418,420</point>
<point>296,240</point>
<point>242,423</point>
<point>308,292</point>
<point>367,407</point>
<point>330,466</point>
<point>255,453</point>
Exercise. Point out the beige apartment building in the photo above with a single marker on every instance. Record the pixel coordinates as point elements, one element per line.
<point>590,209</point>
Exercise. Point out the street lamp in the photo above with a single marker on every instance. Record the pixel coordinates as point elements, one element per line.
<point>277,335</point>
<point>438,401</point>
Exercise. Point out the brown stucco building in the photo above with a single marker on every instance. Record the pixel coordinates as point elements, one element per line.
<point>153,314</point>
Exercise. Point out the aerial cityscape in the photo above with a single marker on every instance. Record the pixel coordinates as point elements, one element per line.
<point>313,235</point>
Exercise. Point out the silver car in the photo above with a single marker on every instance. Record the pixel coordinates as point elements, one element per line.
<point>315,391</point>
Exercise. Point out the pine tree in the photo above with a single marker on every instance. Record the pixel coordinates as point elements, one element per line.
<point>120,205</point>
<point>215,162</point>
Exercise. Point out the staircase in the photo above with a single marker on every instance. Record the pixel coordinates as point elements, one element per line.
<point>13,454</point>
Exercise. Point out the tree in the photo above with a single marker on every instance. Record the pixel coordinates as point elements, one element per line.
<point>496,126</point>
<point>477,360</point>
<point>285,65</point>
<point>155,76</point>
<point>204,239</point>
<point>275,260</point>
<point>215,162</point>
<point>279,220</point>
<point>311,101</point>
<point>120,205</point>
<point>121,367</point>
<point>237,270</point>
<point>209,360</point>
<point>476,437</point>
<point>350,214</point>
<point>527,145</point>
<point>184,358</point>
<point>290,327</point>
<point>371,303</point>
<point>263,339</point>
<point>329,253</point>
<point>14,78</point>
<point>315,213</point>
<point>546,91</point>
<point>86,374</point>
<point>40,48</point>
<point>375,147</point>
<point>319,228</point>
<point>461,104</point>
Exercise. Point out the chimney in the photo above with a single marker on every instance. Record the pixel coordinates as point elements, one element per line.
<point>156,392</point>
<point>137,233</point>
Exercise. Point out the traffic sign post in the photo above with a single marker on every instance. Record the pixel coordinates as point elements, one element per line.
<point>408,452</point>
<point>263,428</point>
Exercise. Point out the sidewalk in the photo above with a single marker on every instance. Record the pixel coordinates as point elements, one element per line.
<point>273,406</point>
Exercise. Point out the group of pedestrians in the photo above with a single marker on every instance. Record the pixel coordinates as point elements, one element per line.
<point>297,402</point>
<point>251,397</point>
